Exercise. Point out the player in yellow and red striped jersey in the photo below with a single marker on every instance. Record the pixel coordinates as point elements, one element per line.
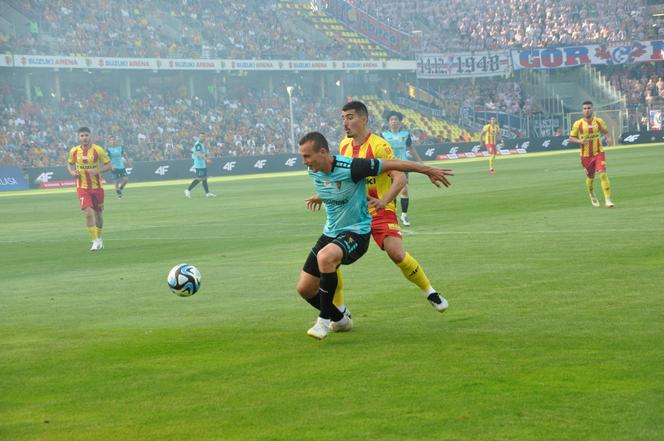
<point>588,132</point>
<point>382,191</point>
<point>490,137</point>
<point>86,163</point>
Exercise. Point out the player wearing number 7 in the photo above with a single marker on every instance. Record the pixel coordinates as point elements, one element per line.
<point>86,163</point>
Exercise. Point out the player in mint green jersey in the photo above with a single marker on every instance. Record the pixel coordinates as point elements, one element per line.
<point>119,162</point>
<point>401,142</point>
<point>340,185</point>
<point>201,159</point>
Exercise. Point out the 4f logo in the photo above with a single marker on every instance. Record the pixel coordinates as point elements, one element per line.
<point>454,150</point>
<point>525,145</point>
<point>476,148</point>
<point>290,162</point>
<point>630,138</point>
<point>129,169</point>
<point>260,163</point>
<point>566,141</point>
<point>229,166</point>
<point>430,152</point>
<point>44,177</point>
<point>546,143</point>
<point>162,170</point>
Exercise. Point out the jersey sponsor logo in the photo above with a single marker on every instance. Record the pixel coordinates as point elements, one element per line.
<point>371,180</point>
<point>229,166</point>
<point>44,177</point>
<point>335,202</point>
<point>260,163</point>
<point>290,162</point>
<point>162,170</point>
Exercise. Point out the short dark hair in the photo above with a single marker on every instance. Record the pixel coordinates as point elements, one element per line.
<point>587,102</point>
<point>83,130</point>
<point>319,141</point>
<point>392,113</point>
<point>357,106</point>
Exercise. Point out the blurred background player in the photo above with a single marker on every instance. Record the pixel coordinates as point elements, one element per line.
<point>86,163</point>
<point>587,131</point>
<point>201,161</point>
<point>119,161</point>
<point>490,137</point>
<point>381,192</point>
<point>400,141</point>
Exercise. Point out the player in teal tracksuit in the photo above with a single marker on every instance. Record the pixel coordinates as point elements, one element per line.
<point>401,142</point>
<point>200,157</point>
<point>119,161</point>
<point>341,186</point>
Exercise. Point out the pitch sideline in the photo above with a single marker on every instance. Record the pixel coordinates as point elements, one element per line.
<point>178,182</point>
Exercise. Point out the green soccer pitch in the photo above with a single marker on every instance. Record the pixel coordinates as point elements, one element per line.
<point>555,329</point>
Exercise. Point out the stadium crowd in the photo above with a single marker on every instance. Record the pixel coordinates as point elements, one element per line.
<point>261,29</point>
<point>170,28</point>
<point>494,24</point>
<point>155,125</point>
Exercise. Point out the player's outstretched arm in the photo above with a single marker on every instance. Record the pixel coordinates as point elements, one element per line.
<point>436,175</point>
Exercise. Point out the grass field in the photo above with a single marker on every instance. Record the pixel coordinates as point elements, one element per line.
<point>555,329</point>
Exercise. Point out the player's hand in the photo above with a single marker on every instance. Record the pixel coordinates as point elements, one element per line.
<point>313,203</point>
<point>93,171</point>
<point>376,203</point>
<point>437,176</point>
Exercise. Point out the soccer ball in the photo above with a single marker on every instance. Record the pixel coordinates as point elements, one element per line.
<point>184,280</point>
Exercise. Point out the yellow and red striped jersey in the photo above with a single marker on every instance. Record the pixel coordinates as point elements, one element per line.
<point>86,159</point>
<point>491,132</point>
<point>373,147</point>
<point>590,133</point>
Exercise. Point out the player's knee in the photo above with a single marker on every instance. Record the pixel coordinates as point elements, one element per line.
<point>396,255</point>
<point>305,289</point>
<point>328,260</point>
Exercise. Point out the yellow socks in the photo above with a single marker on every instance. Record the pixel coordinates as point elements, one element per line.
<point>412,271</point>
<point>93,233</point>
<point>606,188</point>
<point>338,298</point>
<point>590,185</point>
<point>492,158</point>
<point>98,232</point>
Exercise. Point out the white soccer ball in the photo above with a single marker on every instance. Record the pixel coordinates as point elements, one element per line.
<point>184,280</point>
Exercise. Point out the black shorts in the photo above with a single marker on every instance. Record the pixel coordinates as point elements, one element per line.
<point>353,246</point>
<point>201,172</point>
<point>118,173</point>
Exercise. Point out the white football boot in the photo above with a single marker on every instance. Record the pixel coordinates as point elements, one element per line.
<point>438,302</point>
<point>187,194</point>
<point>594,200</point>
<point>95,245</point>
<point>210,195</point>
<point>404,220</point>
<point>343,325</point>
<point>320,329</point>
<point>608,203</point>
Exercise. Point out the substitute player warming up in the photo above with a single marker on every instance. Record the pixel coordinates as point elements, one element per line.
<point>86,163</point>
<point>587,132</point>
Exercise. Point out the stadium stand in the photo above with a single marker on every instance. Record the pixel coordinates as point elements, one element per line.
<point>493,24</point>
